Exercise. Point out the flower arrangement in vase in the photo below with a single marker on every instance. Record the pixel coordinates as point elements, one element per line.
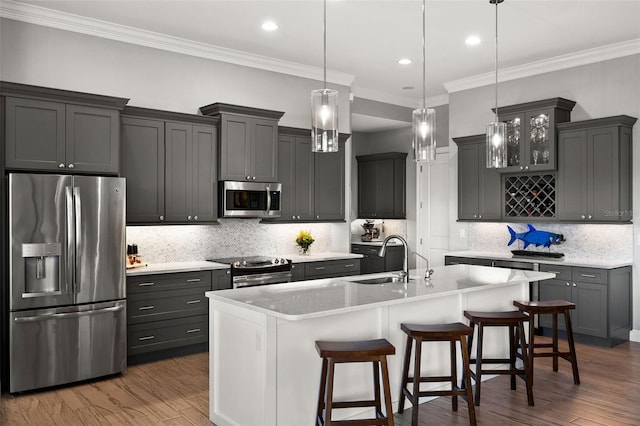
<point>304,241</point>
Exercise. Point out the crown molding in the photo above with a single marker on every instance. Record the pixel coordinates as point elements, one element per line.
<point>583,57</point>
<point>94,27</point>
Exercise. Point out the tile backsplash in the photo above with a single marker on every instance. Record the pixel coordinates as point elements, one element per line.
<point>608,242</point>
<point>232,237</point>
<point>388,226</point>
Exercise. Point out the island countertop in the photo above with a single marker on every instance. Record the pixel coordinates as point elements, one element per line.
<point>317,298</point>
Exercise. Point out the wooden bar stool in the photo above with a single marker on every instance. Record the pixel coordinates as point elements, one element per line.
<point>553,307</point>
<point>436,333</point>
<point>515,321</point>
<point>374,351</point>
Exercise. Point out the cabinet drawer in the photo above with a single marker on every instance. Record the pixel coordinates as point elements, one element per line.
<point>562,272</point>
<point>172,304</point>
<point>160,335</point>
<point>590,275</point>
<point>457,260</point>
<point>332,268</point>
<point>150,283</point>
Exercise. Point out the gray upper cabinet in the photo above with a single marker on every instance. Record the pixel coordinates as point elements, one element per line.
<point>382,185</point>
<point>170,166</point>
<point>329,182</point>
<point>248,142</point>
<point>62,131</point>
<point>295,172</point>
<point>594,170</point>
<point>479,188</point>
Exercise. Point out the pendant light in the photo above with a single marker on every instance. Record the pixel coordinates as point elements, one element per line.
<point>423,123</point>
<point>324,109</point>
<point>496,131</point>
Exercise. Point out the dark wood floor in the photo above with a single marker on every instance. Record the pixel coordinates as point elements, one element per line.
<point>175,392</point>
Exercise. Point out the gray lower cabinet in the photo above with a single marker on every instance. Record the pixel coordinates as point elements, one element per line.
<point>331,268</point>
<point>168,313</point>
<point>49,135</point>
<point>479,188</point>
<point>170,166</point>
<point>297,272</point>
<point>602,298</point>
<point>382,185</point>
<point>595,170</point>
<point>371,263</point>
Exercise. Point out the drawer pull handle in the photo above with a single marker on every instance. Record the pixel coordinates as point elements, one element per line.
<point>553,272</point>
<point>146,308</point>
<point>145,284</point>
<point>194,280</point>
<point>193,330</point>
<point>191,302</point>
<point>350,265</point>
<point>319,268</point>
<point>588,275</point>
<point>146,338</point>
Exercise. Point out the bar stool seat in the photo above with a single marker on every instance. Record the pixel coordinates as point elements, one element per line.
<point>515,321</point>
<point>553,307</point>
<point>374,351</point>
<point>436,332</point>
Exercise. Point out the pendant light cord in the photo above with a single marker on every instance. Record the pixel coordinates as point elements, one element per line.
<point>496,64</point>
<point>424,55</point>
<point>324,30</point>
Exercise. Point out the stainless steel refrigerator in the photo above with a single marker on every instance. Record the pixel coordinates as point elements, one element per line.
<point>67,279</point>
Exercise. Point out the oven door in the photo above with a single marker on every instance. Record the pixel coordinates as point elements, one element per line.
<point>261,279</point>
<point>250,199</point>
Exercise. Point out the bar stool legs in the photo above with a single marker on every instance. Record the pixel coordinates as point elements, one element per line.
<point>437,332</point>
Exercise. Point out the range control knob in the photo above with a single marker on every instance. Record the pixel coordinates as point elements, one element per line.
<point>283,261</point>
<point>276,261</point>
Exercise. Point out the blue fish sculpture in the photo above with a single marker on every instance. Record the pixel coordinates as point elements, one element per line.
<point>535,237</point>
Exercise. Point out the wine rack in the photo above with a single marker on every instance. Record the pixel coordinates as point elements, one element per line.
<point>530,196</point>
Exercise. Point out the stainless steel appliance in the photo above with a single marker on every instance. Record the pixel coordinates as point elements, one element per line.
<point>371,231</point>
<point>257,270</point>
<point>250,199</point>
<point>67,279</point>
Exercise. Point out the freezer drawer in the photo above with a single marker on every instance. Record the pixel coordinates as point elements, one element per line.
<point>56,346</point>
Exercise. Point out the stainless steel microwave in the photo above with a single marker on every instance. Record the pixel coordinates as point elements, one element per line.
<point>250,199</point>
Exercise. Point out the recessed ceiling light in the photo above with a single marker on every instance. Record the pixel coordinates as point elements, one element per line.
<point>472,40</point>
<point>269,26</point>
<point>404,61</point>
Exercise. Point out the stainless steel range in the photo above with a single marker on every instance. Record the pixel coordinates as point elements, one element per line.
<point>257,270</point>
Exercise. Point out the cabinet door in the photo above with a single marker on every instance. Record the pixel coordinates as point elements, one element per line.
<point>367,189</point>
<point>221,279</point>
<point>264,150</point>
<point>590,315</point>
<point>394,259</point>
<point>364,261</point>
<point>329,185</point>
<point>143,167</point>
<point>490,184</point>
<point>603,174</point>
<point>384,188</point>
<point>297,272</point>
<point>178,179</point>
<point>205,183</point>
<point>35,134</point>
<point>516,150</point>
<point>235,148</point>
<point>554,290</point>
<point>572,175</point>
<point>540,137</point>
<point>92,139</point>
<point>304,179</point>
<point>468,194</point>
<point>286,176</point>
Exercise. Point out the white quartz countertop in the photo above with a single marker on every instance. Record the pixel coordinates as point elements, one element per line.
<point>319,257</point>
<point>317,298</point>
<point>568,261</point>
<point>167,268</point>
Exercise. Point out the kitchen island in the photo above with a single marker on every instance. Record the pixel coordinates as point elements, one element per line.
<point>264,368</point>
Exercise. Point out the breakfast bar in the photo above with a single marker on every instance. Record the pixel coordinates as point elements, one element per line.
<point>264,368</point>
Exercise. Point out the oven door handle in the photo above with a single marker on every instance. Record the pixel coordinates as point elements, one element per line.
<point>261,279</point>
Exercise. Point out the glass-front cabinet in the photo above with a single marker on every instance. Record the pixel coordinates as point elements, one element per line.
<point>531,134</point>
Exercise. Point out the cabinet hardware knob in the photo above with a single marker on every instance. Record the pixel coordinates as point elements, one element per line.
<point>188,217</point>
<point>589,217</point>
<point>475,216</point>
<point>582,216</point>
<point>61,166</point>
<point>141,339</point>
<point>195,218</point>
<point>575,285</point>
<point>161,217</point>
<point>70,166</point>
<point>521,167</point>
<point>526,167</point>
<point>191,302</point>
<point>146,308</point>
<point>193,330</point>
<point>480,216</point>
<point>248,177</point>
<point>253,178</point>
<point>568,284</point>
<point>298,217</point>
<point>146,284</point>
<point>317,216</point>
<point>293,217</point>
<point>194,280</point>
<point>228,272</point>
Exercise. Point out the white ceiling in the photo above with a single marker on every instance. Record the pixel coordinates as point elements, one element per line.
<point>366,38</point>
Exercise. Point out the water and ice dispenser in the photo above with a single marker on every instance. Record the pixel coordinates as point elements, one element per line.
<point>41,269</point>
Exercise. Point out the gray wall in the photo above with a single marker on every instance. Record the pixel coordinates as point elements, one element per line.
<point>602,89</point>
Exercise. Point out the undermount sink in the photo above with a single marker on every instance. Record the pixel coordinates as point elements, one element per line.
<point>380,280</point>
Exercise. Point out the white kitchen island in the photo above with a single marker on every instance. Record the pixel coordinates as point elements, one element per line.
<point>263,365</point>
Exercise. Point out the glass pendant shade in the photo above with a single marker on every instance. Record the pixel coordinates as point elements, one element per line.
<point>496,145</point>
<point>324,120</point>
<point>423,130</point>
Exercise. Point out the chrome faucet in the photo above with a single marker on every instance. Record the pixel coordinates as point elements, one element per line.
<point>405,264</point>
<point>428,272</point>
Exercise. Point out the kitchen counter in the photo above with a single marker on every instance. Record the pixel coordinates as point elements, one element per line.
<point>568,261</point>
<point>319,257</point>
<point>264,367</point>
<point>167,268</point>
<point>378,243</point>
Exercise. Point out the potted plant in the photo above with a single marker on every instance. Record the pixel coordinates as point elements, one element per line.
<point>304,241</point>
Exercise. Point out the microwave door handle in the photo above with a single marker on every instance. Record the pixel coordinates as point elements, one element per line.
<point>268,199</point>
<point>78,224</point>
<point>70,268</point>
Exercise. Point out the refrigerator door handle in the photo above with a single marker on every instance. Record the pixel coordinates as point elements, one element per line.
<point>69,314</point>
<point>77,202</point>
<point>70,255</point>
